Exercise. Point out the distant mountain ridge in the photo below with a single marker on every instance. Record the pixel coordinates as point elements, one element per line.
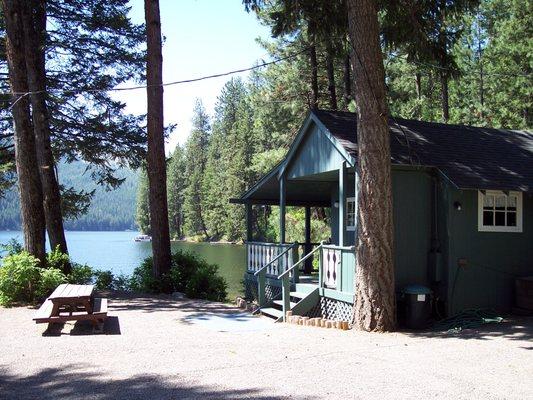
<point>109,211</point>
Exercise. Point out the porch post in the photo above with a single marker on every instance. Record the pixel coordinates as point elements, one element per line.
<point>342,202</point>
<point>308,266</point>
<point>282,194</point>
<point>249,234</point>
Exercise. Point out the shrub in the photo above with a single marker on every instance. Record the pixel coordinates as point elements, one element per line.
<point>81,275</point>
<point>19,277</point>
<point>188,273</point>
<point>57,260</point>
<point>103,280</point>
<point>49,279</point>
<point>205,283</point>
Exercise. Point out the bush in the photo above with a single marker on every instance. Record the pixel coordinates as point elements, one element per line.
<point>188,274</point>
<point>81,275</point>
<point>103,280</point>
<point>57,260</point>
<point>205,283</point>
<point>19,277</point>
<point>49,279</point>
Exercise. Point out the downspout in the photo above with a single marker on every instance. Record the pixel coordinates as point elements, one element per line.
<point>435,253</point>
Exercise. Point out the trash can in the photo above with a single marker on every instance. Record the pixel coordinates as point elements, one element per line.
<point>415,306</point>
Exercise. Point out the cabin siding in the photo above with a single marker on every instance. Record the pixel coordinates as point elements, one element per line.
<point>412,224</point>
<point>316,154</point>
<point>493,259</point>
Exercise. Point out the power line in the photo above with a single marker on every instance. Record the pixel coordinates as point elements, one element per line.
<point>180,82</point>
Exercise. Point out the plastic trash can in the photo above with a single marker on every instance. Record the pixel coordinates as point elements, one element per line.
<point>416,306</point>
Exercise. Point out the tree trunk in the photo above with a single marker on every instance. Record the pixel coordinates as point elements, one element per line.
<point>331,75</point>
<point>347,81</point>
<point>444,96</point>
<point>29,182</point>
<point>156,165</point>
<point>418,85</point>
<point>314,72</point>
<point>374,306</point>
<point>34,22</point>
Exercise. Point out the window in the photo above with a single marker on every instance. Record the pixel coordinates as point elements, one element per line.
<point>351,215</point>
<point>499,211</point>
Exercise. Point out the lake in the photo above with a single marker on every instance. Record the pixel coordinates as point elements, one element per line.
<point>116,251</point>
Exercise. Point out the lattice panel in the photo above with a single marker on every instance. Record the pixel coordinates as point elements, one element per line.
<point>272,292</point>
<point>331,264</point>
<point>332,309</point>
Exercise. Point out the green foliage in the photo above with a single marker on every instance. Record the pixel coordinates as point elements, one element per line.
<point>49,279</point>
<point>56,259</point>
<point>19,278</point>
<point>188,274</point>
<point>142,212</point>
<point>103,280</point>
<point>81,275</point>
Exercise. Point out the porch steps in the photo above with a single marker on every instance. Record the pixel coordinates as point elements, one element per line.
<point>280,303</point>
<point>302,300</point>
<point>272,312</point>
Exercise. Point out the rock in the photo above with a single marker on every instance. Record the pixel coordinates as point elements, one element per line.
<point>178,295</point>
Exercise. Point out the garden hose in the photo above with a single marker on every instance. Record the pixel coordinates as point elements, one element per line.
<point>468,319</point>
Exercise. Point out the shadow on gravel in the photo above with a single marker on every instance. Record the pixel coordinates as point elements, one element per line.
<point>158,303</point>
<point>66,384</point>
<point>512,329</point>
<point>111,327</point>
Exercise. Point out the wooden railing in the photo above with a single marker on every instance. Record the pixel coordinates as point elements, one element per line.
<point>335,272</point>
<point>260,254</point>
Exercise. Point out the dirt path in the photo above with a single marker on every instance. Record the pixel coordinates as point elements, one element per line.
<point>168,349</point>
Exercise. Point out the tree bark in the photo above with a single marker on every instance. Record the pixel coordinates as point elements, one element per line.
<point>156,165</point>
<point>444,96</point>
<point>347,81</point>
<point>331,75</point>
<point>29,182</point>
<point>374,306</point>
<point>314,70</point>
<point>34,22</point>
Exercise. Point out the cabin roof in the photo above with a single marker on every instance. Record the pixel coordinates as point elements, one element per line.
<point>470,157</point>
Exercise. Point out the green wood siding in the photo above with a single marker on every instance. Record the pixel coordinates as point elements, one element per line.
<point>412,223</point>
<point>316,154</point>
<point>493,259</point>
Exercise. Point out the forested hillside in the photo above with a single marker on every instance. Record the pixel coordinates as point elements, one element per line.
<point>109,210</point>
<point>473,67</point>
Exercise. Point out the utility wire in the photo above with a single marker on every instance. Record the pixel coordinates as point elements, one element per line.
<point>180,82</point>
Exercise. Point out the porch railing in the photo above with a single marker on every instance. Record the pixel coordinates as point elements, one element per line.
<point>335,273</point>
<point>260,254</point>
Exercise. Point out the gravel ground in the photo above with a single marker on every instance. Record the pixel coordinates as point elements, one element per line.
<point>156,348</point>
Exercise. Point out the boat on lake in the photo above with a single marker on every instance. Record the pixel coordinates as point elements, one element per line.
<point>142,238</point>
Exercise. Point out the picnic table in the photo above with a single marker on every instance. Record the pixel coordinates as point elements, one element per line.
<point>72,303</point>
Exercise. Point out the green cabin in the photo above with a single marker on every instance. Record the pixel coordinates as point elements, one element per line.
<point>463,216</point>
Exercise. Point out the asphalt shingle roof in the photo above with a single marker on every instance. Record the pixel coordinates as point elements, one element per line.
<point>471,157</point>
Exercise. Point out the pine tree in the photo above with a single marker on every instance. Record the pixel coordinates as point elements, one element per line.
<point>142,212</point>
<point>176,184</point>
<point>195,162</point>
<point>155,158</point>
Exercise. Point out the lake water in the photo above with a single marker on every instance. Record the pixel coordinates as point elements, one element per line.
<point>116,251</point>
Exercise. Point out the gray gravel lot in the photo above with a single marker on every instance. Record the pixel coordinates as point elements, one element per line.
<point>158,348</point>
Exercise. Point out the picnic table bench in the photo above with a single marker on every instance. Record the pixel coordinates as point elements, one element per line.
<point>72,303</point>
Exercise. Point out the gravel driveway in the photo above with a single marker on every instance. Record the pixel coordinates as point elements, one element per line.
<point>157,348</point>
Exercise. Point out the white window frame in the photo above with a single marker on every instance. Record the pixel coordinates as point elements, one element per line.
<point>491,228</point>
<point>351,227</point>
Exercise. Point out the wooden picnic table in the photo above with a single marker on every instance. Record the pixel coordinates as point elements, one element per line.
<point>72,303</point>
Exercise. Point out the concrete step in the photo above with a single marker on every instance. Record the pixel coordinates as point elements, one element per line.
<point>280,303</point>
<point>272,312</point>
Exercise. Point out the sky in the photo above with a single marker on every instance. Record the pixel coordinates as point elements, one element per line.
<point>202,37</point>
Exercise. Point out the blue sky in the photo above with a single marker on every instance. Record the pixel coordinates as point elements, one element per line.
<point>202,37</point>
